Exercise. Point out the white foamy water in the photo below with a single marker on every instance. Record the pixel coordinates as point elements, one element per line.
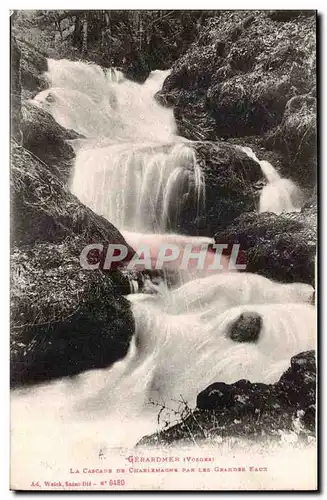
<point>101,103</point>
<point>181,345</point>
<point>138,186</point>
<point>191,337</point>
<point>279,195</point>
<point>132,169</point>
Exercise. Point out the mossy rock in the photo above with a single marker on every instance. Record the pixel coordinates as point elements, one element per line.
<point>33,65</point>
<point>43,208</point>
<point>238,77</point>
<point>230,178</point>
<point>281,247</point>
<point>296,138</point>
<point>44,137</point>
<point>64,319</point>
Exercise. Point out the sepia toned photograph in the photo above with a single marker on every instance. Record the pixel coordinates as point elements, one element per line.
<point>163,250</point>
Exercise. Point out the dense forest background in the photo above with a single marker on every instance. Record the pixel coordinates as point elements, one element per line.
<point>137,41</point>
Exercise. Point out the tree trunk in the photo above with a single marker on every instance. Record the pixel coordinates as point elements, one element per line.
<point>84,37</point>
<point>77,32</point>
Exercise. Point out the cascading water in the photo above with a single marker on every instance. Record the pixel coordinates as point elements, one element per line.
<point>182,344</point>
<point>138,186</point>
<point>132,169</point>
<point>279,195</point>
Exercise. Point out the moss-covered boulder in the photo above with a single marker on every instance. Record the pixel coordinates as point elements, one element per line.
<point>296,138</point>
<point>281,247</point>
<point>33,126</point>
<point>238,77</point>
<point>44,137</point>
<point>65,319</point>
<point>230,187</point>
<point>250,411</point>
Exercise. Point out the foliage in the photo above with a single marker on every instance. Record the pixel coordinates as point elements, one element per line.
<point>138,41</point>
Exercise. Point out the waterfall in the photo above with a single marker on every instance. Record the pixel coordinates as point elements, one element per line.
<point>138,186</point>
<point>279,195</point>
<point>132,169</point>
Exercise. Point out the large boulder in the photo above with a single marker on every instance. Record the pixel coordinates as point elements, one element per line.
<point>65,319</point>
<point>281,247</point>
<point>44,137</point>
<point>296,138</point>
<point>230,178</point>
<point>250,411</point>
<point>33,65</point>
<point>238,77</point>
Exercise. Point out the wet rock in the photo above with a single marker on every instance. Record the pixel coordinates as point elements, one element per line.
<point>298,383</point>
<point>241,397</point>
<point>257,144</point>
<point>230,177</point>
<point>308,419</point>
<point>221,396</point>
<point>246,328</point>
<point>137,69</point>
<point>45,138</point>
<point>164,98</point>
<point>33,65</point>
<point>135,281</point>
<point>281,247</point>
<point>295,389</point>
<point>251,411</point>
